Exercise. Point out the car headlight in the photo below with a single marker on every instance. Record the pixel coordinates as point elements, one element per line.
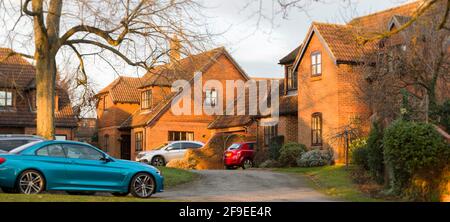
<point>140,155</point>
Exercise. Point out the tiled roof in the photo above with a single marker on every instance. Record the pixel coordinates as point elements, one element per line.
<point>17,74</point>
<point>378,21</point>
<point>342,41</point>
<point>124,90</point>
<point>183,69</point>
<point>195,63</point>
<point>290,58</point>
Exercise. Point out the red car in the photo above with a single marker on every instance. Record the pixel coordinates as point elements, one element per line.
<point>239,155</point>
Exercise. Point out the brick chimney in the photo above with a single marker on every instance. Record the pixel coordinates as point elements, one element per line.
<point>175,47</point>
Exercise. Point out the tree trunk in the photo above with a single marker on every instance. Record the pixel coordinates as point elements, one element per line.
<point>45,95</point>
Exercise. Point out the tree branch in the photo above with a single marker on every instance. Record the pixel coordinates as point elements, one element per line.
<point>109,48</point>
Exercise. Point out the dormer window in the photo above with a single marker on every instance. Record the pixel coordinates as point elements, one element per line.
<point>291,79</point>
<point>6,98</point>
<point>211,97</point>
<point>146,99</point>
<point>316,64</point>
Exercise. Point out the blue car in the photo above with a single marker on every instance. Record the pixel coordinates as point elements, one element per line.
<point>76,168</point>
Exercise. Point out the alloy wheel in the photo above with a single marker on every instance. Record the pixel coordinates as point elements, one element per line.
<point>158,161</point>
<point>143,185</point>
<point>31,182</point>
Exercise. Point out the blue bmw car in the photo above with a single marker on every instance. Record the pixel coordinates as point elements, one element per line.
<point>74,167</point>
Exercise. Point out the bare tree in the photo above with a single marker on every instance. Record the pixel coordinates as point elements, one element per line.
<point>135,31</point>
<point>271,10</point>
<point>408,73</point>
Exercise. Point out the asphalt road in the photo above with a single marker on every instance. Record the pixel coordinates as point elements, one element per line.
<point>245,186</point>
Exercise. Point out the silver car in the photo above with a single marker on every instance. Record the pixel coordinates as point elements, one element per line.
<point>10,141</point>
<point>167,152</point>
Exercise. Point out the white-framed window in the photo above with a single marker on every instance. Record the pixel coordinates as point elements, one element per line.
<point>6,98</point>
<point>316,63</point>
<point>146,99</point>
<point>177,136</point>
<point>211,97</point>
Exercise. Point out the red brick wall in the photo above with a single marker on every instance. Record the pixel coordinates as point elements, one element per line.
<point>334,94</point>
<point>115,113</point>
<point>317,94</point>
<point>113,141</point>
<point>288,127</point>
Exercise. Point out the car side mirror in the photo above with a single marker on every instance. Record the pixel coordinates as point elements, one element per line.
<point>106,159</point>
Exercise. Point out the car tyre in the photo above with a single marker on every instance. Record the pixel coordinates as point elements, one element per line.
<point>142,185</point>
<point>120,194</point>
<point>247,164</point>
<point>158,161</point>
<point>30,182</point>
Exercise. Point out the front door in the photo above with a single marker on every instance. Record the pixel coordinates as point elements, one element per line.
<point>125,147</point>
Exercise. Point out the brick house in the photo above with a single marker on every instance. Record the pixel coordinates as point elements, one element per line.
<point>326,69</point>
<point>148,120</point>
<point>18,99</point>
<point>116,103</point>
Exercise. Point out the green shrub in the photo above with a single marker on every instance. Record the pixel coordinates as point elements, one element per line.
<point>274,147</point>
<point>289,154</point>
<point>358,153</point>
<point>360,156</point>
<point>269,164</point>
<point>315,158</point>
<point>416,154</point>
<point>375,156</point>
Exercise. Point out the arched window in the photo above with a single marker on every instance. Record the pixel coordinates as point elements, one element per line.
<point>316,129</point>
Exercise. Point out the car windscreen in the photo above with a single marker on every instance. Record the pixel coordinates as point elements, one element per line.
<point>161,146</point>
<point>234,146</point>
<point>10,144</point>
<point>23,147</point>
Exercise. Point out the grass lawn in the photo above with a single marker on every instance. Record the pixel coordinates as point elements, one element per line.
<point>333,181</point>
<point>172,177</point>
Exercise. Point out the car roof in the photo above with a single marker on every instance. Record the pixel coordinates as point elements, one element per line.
<point>19,136</point>
<point>49,142</point>
<point>185,141</point>
<point>246,142</point>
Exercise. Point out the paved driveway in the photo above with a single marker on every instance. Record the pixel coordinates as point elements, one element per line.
<point>245,185</point>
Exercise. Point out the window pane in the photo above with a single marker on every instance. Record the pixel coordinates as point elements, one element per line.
<point>313,59</point>
<point>42,152</point>
<point>2,94</point>
<point>55,151</point>
<point>319,69</point>
<point>319,58</point>
<point>190,136</point>
<point>82,152</point>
